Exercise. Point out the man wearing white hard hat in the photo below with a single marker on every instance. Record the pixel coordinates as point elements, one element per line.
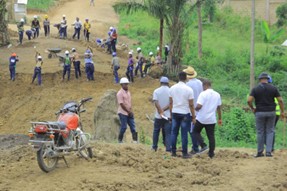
<point>67,65</point>
<point>38,69</point>
<point>36,25</point>
<point>130,68</point>
<point>150,62</point>
<point>20,27</point>
<point>162,117</point>
<point>125,111</point>
<point>140,61</point>
<point>64,25</point>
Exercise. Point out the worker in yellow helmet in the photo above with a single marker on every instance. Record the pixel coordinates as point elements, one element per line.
<point>46,24</point>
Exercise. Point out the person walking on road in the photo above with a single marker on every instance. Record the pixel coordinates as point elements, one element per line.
<point>38,69</point>
<point>67,65</point>
<point>115,67</point>
<point>20,27</point>
<point>162,116</point>
<point>77,63</point>
<point>89,65</point>
<point>87,29</point>
<point>46,24</point>
<point>77,26</point>
<point>264,94</point>
<point>196,86</point>
<point>125,111</point>
<point>36,25</point>
<point>181,107</point>
<point>208,103</point>
<point>130,68</point>
<point>12,66</point>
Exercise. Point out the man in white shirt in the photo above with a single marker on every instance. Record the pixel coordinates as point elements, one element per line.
<point>181,104</point>
<point>196,86</point>
<point>162,116</point>
<point>208,103</point>
<point>77,26</point>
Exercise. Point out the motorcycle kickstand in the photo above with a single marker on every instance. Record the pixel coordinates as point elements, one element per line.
<point>63,157</point>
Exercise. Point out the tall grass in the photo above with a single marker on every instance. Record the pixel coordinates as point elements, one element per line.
<point>41,5</point>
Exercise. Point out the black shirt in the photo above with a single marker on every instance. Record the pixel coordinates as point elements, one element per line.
<point>264,95</point>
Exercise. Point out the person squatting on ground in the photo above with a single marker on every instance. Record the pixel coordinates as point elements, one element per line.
<point>12,66</point>
<point>140,61</point>
<point>38,69</point>
<point>208,103</point>
<point>150,62</point>
<point>77,26</point>
<point>30,33</point>
<point>46,24</point>
<point>130,68</point>
<point>162,116</point>
<point>196,86</point>
<point>20,27</point>
<point>77,63</point>
<point>67,65</point>
<point>181,104</point>
<point>277,115</point>
<point>115,67</point>
<point>264,94</point>
<point>125,111</point>
<point>89,65</point>
<point>36,25</point>
<point>87,29</point>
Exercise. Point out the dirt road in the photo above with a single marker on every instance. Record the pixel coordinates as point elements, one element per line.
<point>115,167</point>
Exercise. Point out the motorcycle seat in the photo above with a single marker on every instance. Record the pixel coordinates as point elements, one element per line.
<point>58,125</point>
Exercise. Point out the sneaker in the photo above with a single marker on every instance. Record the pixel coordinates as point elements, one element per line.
<point>193,152</point>
<point>203,149</point>
<point>186,156</point>
<point>268,154</point>
<point>259,154</point>
<point>211,155</point>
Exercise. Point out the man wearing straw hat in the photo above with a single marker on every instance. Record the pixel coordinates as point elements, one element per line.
<point>196,86</point>
<point>264,95</point>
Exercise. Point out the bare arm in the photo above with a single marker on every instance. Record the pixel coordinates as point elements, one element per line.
<point>159,109</point>
<point>219,115</point>
<point>250,101</point>
<point>170,105</point>
<point>191,106</point>
<point>281,105</point>
<point>198,107</point>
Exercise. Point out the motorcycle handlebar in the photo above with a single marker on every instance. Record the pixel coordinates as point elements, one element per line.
<point>86,99</point>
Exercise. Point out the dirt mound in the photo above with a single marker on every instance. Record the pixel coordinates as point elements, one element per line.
<point>9,141</point>
<point>106,120</point>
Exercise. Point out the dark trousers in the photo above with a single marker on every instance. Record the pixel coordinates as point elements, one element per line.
<point>166,128</point>
<point>130,74</point>
<point>62,32</point>
<point>77,67</point>
<point>90,69</point>
<point>113,45</point>
<point>87,35</point>
<point>116,75</point>
<point>37,73</point>
<point>193,139</point>
<point>21,34</point>
<point>147,66</point>
<point>67,69</point>
<point>139,68</point>
<point>209,128</point>
<point>36,33</point>
<point>125,121</point>
<point>109,49</point>
<point>77,33</point>
<point>182,121</point>
<point>65,32</point>
<point>47,30</point>
<point>12,70</point>
<point>29,35</point>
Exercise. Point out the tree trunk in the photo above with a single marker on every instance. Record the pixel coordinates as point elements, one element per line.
<point>252,81</point>
<point>161,36</point>
<point>4,35</point>
<point>199,29</point>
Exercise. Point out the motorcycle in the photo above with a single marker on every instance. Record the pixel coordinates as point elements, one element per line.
<point>54,140</point>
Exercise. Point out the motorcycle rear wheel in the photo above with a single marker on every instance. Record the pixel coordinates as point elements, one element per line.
<point>85,152</point>
<point>45,163</point>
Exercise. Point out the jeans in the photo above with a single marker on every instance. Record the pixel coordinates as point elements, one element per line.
<point>87,35</point>
<point>77,33</point>
<point>116,75</point>
<point>77,68</point>
<point>62,32</point>
<point>139,67</point>
<point>36,33</point>
<point>67,69</point>
<point>265,124</point>
<point>127,120</point>
<point>12,72</point>
<point>166,126</point>
<point>130,74</point>
<point>37,72</point>
<point>193,139</point>
<point>21,34</point>
<point>90,69</point>
<point>209,129</point>
<point>183,121</point>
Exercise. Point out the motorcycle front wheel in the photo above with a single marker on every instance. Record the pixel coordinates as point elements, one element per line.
<point>85,152</point>
<point>46,162</point>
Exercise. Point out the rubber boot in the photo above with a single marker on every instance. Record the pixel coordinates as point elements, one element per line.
<point>135,137</point>
<point>120,138</point>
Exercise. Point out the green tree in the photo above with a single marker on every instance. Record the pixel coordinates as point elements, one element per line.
<point>4,35</point>
<point>281,14</point>
<point>270,37</point>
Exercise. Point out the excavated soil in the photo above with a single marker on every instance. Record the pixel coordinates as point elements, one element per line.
<point>115,167</point>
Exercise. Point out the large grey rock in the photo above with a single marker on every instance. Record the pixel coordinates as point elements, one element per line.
<point>106,121</point>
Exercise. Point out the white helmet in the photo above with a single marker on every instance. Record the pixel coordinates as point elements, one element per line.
<point>22,20</point>
<point>66,52</point>
<point>130,53</point>
<point>111,28</point>
<point>64,15</point>
<point>139,49</point>
<point>73,49</point>
<point>150,53</point>
<point>35,16</point>
<point>157,48</point>
<point>39,57</point>
<point>124,81</point>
